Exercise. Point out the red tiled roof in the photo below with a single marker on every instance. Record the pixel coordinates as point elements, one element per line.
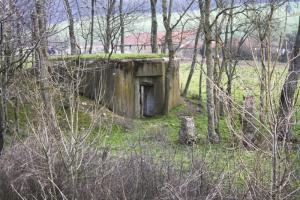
<point>144,38</point>
<point>186,39</point>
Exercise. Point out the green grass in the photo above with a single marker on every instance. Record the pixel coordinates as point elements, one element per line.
<point>245,81</point>
<point>102,56</point>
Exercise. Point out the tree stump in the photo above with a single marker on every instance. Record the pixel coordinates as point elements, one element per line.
<point>187,133</point>
<point>248,122</point>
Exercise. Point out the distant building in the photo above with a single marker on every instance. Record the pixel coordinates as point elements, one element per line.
<point>183,41</point>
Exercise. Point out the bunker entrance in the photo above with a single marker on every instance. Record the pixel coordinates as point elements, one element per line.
<point>147,100</point>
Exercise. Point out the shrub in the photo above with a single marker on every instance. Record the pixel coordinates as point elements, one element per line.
<point>31,173</point>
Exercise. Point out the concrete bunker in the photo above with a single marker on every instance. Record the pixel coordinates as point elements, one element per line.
<point>131,87</point>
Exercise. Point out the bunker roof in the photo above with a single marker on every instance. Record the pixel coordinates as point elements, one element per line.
<point>113,57</point>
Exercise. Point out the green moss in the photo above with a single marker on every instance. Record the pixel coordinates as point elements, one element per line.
<point>102,56</point>
<point>24,114</point>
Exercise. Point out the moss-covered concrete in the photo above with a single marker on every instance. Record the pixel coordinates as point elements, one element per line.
<point>102,56</point>
<point>119,84</point>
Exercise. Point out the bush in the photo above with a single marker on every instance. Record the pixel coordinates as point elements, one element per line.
<point>32,173</point>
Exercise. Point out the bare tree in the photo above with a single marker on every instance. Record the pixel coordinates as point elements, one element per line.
<point>5,53</point>
<point>115,17</point>
<point>154,47</point>
<point>194,59</point>
<point>287,97</point>
<point>109,19</point>
<point>12,57</point>
<point>231,48</point>
<point>71,27</point>
<point>201,75</point>
<point>262,18</point>
<point>41,36</point>
<point>122,26</point>
<point>167,8</point>
<point>167,13</point>
<point>213,136</point>
<point>92,26</point>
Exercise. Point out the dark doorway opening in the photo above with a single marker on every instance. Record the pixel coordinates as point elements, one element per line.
<point>147,100</point>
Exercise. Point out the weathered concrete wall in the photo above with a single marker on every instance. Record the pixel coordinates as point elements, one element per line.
<point>123,98</point>
<point>97,81</point>
<point>175,99</point>
<point>118,84</point>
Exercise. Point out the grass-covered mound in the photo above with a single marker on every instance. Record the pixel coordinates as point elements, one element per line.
<point>100,56</point>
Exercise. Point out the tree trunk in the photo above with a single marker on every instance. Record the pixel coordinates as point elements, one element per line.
<point>169,71</point>
<point>287,97</point>
<point>19,35</point>
<point>265,46</point>
<point>108,31</point>
<point>263,77</point>
<point>201,75</point>
<point>71,27</point>
<point>248,123</point>
<point>217,72</point>
<point>2,97</point>
<point>4,80</point>
<point>194,61</point>
<point>188,132</point>
<point>39,26</point>
<point>2,120</point>
<point>122,27</point>
<point>167,14</point>
<point>1,141</point>
<point>213,137</point>
<point>154,47</point>
<point>92,26</point>
<point>6,66</point>
<point>2,125</point>
<point>169,41</point>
